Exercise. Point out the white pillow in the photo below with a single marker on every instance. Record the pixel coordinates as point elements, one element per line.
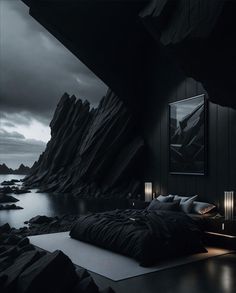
<point>184,198</point>
<point>202,208</point>
<point>186,206</point>
<point>165,198</point>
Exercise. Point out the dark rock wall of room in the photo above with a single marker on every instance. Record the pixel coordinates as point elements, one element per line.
<point>168,84</point>
<point>92,152</point>
<point>201,36</point>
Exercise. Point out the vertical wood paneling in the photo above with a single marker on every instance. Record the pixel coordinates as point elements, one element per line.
<point>232,149</point>
<point>211,177</point>
<point>164,153</point>
<point>222,153</point>
<point>221,147</point>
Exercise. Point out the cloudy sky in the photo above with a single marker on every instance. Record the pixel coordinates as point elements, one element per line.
<point>35,71</point>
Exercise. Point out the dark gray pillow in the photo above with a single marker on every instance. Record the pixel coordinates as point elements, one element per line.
<point>202,208</point>
<point>155,205</point>
<point>186,206</point>
<point>165,198</point>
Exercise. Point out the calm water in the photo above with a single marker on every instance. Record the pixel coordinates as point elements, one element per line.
<point>50,205</point>
<point>36,204</point>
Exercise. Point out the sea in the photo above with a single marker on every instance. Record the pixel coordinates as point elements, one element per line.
<point>35,203</point>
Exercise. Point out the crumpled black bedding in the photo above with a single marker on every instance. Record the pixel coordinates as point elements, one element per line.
<point>147,236</point>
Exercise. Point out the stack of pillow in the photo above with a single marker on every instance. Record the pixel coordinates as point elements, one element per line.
<point>185,204</point>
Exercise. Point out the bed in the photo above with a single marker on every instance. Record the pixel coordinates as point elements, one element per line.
<point>148,236</point>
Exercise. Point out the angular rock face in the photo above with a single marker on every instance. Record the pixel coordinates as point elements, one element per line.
<point>22,170</point>
<point>92,152</point>
<point>24,269</point>
<point>201,37</point>
<point>5,170</point>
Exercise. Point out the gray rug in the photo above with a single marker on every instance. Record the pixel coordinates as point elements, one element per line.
<point>106,263</point>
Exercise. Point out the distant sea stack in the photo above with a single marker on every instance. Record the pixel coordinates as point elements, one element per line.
<point>92,152</point>
<point>22,170</point>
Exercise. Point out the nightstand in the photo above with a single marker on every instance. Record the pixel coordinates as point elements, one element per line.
<point>220,233</point>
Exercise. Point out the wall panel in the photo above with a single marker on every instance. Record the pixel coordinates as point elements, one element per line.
<point>221,157</point>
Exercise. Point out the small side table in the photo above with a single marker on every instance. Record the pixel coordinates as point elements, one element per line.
<point>220,233</point>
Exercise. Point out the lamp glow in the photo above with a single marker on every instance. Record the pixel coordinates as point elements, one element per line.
<point>148,191</point>
<point>229,205</point>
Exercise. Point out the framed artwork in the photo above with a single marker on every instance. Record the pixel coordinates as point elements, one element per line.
<point>187,136</point>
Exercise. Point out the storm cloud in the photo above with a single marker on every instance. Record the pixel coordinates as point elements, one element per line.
<point>16,149</point>
<point>35,71</point>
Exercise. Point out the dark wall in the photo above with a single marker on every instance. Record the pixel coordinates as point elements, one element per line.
<point>168,84</point>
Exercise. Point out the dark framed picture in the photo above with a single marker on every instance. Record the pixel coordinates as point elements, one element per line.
<point>187,136</point>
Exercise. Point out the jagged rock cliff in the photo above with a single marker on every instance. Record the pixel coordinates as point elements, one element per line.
<point>92,152</point>
<point>22,170</point>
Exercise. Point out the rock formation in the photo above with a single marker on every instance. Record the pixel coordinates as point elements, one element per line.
<point>5,170</point>
<point>197,35</point>
<point>200,35</point>
<point>22,170</point>
<point>25,269</point>
<point>92,152</point>
<point>7,198</point>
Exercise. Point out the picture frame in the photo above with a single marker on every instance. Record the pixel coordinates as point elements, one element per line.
<point>188,136</point>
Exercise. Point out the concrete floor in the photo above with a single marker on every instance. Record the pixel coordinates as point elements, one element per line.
<point>215,275</point>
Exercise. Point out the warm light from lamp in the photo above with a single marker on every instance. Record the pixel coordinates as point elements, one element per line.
<point>229,205</point>
<point>148,191</point>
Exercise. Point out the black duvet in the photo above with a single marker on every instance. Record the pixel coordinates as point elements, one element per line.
<point>147,236</point>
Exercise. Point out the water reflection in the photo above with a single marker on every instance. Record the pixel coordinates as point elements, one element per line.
<point>50,205</point>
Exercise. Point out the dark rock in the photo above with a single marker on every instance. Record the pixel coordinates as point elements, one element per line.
<point>86,285</point>
<point>5,262</point>
<point>5,228</point>
<point>8,183</point>
<point>26,248</point>
<point>7,198</point>
<point>12,239</point>
<point>92,152</point>
<point>22,170</point>
<point>82,273</point>
<point>11,252</point>
<point>23,242</point>
<point>40,220</point>
<point>5,170</point>
<point>13,189</point>
<point>6,189</point>
<point>14,271</point>
<point>189,29</point>
<point>2,249</point>
<point>21,190</point>
<point>3,280</point>
<point>10,207</point>
<point>107,290</point>
<point>51,273</point>
<point>15,180</point>
<point>23,269</point>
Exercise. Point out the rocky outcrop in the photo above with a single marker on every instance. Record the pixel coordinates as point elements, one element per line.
<point>25,269</point>
<point>5,170</point>
<point>92,152</point>
<point>200,35</point>
<point>13,189</point>
<point>10,207</point>
<point>22,170</point>
<point>7,198</point>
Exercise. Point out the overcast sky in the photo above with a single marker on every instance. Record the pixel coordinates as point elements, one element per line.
<point>35,71</point>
